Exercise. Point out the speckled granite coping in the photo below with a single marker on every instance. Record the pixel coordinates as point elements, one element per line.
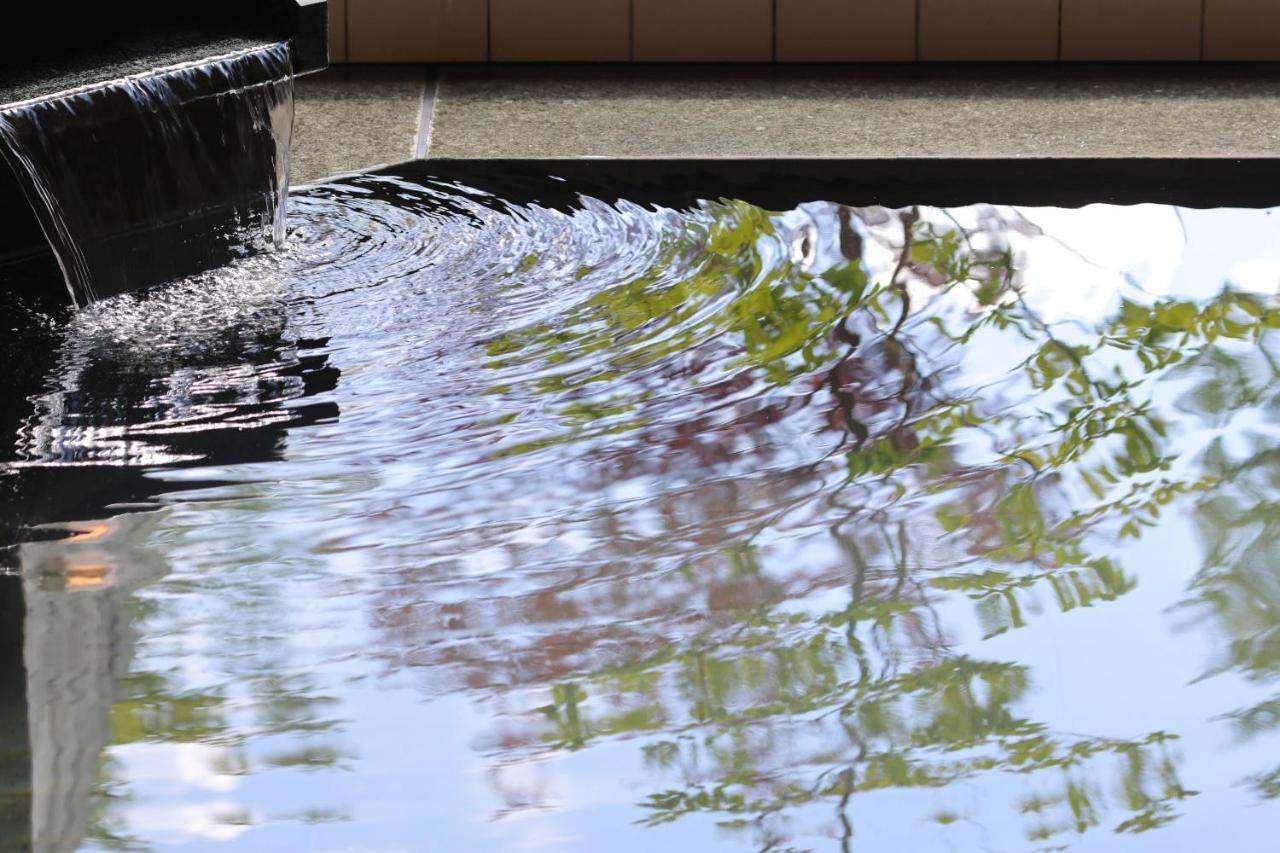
<point>857,111</point>
<point>358,117</point>
<point>351,118</point>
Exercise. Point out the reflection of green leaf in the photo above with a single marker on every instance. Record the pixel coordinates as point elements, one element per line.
<point>1087,455</point>
<point>155,713</point>
<point>850,279</point>
<point>774,322</point>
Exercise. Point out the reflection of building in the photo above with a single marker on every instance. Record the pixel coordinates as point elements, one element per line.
<point>113,409</point>
<point>67,640</point>
<point>120,395</point>
<point>78,641</point>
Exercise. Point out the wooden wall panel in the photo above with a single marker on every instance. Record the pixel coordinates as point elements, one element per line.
<point>989,30</point>
<point>1242,30</point>
<point>560,30</point>
<point>1096,30</point>
<point>703,30</point>
<point>846,30</point>
<point>802,30</point>
<point>337,30</point>
<point>417,30</point>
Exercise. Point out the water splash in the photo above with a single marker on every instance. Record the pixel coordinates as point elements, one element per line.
<point>158,175</point>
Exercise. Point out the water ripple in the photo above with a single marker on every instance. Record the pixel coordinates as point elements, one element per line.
<point>777,509</point>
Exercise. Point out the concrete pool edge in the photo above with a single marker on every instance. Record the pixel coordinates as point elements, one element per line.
<point>354,118</point>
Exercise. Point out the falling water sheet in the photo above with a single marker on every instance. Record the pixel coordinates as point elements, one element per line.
<point>157,175</point>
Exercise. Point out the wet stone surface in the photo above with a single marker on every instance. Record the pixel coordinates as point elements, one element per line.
<point>123,58</point>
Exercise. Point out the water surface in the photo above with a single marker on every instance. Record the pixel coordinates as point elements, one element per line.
<point>463,524</point>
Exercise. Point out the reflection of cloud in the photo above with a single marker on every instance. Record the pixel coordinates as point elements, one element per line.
<point>528,786</point>
<point>216,820</point>
<point>1144,240</point>
<point>532,792</point>
<point>539,836</point>
<point>1258,275</point>
<point>192,764</point>
<point>1079,271</point>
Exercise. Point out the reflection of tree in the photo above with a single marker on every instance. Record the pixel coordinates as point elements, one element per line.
<point>849,692</point>
<point>1238,524</point>
<point>805,408</point>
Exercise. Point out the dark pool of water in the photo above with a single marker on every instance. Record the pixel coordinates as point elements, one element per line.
<point>467,525</point>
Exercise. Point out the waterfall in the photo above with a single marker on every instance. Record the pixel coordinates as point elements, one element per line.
<point>157,175</point>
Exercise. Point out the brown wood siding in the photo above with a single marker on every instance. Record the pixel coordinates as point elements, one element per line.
<point>802,30</point>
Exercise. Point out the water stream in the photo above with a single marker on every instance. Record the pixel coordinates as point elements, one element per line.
<point>160,174</point>
<point>469,524</point>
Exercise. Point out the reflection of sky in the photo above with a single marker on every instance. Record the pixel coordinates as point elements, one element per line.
<point>284,579</point>
<point>1080,268</point>
<point>1124,668</point>
<point>418,784</point>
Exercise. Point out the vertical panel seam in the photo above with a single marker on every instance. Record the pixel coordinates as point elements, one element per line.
<point>1204,26</point>
<point>917,34</point>
<point>1061,18</point>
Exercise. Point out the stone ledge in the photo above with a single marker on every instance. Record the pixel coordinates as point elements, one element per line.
<point>856,112</point>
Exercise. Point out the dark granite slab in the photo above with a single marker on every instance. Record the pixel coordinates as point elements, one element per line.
<point>129,55</point>
<point>66,46</point>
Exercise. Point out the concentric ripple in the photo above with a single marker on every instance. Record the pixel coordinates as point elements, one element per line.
<point>615,525</point>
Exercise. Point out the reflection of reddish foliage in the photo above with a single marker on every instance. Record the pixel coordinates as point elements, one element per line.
<point>741,593</point>
<point>547,618</point>
<point>557,622</point>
